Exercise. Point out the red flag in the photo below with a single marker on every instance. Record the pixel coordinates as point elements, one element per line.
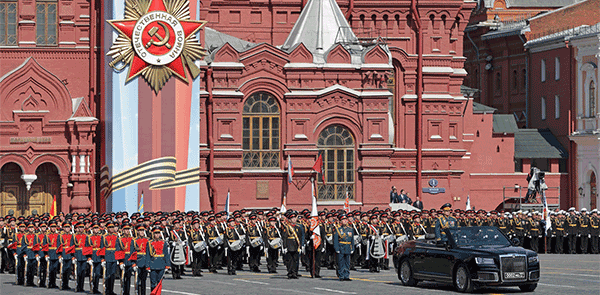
<point>347,204</point>
<point>158,289</point>
<point>318,166</point>
<point>53,209</point>
<point>101,252</point>
<point>119,255</point>
<point>133,256</point>
<point>70,250</point>
<point>87,251</point>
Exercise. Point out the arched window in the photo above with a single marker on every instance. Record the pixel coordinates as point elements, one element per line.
<point>260,140</point>
<point>592,99</point>
<point>336,145</point>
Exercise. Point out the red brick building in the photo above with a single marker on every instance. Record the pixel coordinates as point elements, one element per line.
<point>331,97</point>
<point>48,105</point>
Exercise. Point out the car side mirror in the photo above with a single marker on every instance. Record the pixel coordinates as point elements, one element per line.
<point>515,241</point>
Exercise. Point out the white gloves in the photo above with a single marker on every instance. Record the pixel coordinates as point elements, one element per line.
<point>122,266</point>
<point>284,251</point>
<point>37,258</point>
<point>90,262</point>
<point>323,250</point>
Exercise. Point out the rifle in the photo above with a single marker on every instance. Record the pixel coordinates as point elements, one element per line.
<point>91,275</point>
<point>47,267</point>
<point>25,270</point>
<point>74,262</point>
<point>103,277</point>
<point>122,266</point>
<point>17,268</point>
<point>60,270</point>
<point>38,270</point>
<point>137,289</point>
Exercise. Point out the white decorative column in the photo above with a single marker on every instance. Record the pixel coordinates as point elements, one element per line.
<point>82,163</point>
<point>88,164</point>
<point>29,179</point>
<point>74,164</point>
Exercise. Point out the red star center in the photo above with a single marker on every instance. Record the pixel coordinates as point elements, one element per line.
<point>153,32</point>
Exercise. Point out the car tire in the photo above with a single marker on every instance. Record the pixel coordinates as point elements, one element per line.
<point>405,274</point>
<point>528,287</point>
<point>462,279</point>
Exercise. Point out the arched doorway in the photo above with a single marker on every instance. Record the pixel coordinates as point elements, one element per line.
<point>336,144</point>
<point>16,200</point>
<point>593,191</point>
<point>43,189</point>
<point>12,190</point>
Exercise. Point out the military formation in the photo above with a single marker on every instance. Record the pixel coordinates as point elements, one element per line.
<point>51,252</point>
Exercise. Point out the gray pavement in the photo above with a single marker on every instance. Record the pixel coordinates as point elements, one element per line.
<point>561,275</point>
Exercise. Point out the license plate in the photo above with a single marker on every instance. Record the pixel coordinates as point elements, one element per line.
<point>514,275</point>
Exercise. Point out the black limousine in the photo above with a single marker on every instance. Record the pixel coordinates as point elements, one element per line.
<point>472,257</point>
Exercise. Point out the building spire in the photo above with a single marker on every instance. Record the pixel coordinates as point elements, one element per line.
<point>320,25</point>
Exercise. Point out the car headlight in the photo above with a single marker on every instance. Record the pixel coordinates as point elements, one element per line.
<point>532,259</point>
<point>484,260</point>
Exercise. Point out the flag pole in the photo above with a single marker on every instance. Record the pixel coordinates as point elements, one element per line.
<point>314,249</point>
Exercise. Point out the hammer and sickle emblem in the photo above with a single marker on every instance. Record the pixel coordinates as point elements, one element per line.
<point>162,40</point>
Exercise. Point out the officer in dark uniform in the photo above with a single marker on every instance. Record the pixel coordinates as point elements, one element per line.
<point>417,230</point>
<point>196,236</point>
<point>594,231</point>
<point>343,238</point>
<point>212,233</point>
<point>29,241</point>
<point>560,225</point>
<point>125,244</point>
<point>68,249</point>
<point>80,242</point>
<point>272,233</point>
<point>293,236</point>
<point>232,236</point>
<point>584,227</point>
<point>109,243</point>
<point>253,232</point>
<point>444,222</point>
<point>572,230</point>
<point>41,254</point>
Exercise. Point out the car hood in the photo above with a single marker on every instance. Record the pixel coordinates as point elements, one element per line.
<point>496,250</point>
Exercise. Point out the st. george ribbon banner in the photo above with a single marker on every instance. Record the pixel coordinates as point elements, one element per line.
<point>162,174</point>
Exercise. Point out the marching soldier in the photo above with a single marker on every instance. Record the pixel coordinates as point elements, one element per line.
<point>293,235</point>
<point>584,226</point>
<point>196,236</point>
<point>140,245</point>
<point>329,250</point>
<point>572,230</point>
<point>109,243</point>
<point>254,232</point>
<point>81,252</point>
<point>374,231</point>
<point>233,255</point>
<point>315,270</point>
<point>444,222</point>
<point>560,225</point>
<point>177,235</point>
<point>343,238</point>
<point>51,241</point>
<point>68,249</point>
<point>272,232</point>
<point>41,255</point>
<point>213,234</point>
<point>29,241</point>
<point>594,231</point>
<point>95,241</point>
<point>535,232</point>
<point>128,262</point>
<point>158,257</point>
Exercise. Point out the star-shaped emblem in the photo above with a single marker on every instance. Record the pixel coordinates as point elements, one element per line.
<point>157,39</point>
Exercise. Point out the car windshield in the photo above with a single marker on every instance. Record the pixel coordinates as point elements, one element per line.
<point>478,236</point>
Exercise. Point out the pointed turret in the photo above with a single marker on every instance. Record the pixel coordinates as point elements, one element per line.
<point>321,25</point>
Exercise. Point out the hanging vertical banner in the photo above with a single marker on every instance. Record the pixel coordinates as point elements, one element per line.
<point>151,120</point>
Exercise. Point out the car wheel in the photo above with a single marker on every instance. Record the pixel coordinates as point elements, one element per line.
<point>405,274</point>
<point>528,288</point>
<point>462,279</point>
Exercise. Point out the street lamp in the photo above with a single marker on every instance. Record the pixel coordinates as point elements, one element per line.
<point>580,191</point>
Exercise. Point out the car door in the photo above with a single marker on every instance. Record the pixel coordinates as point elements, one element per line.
<point>417,258</point>
<point>439,262</point>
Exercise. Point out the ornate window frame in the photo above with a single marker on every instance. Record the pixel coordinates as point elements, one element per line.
<point>261,131</point>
